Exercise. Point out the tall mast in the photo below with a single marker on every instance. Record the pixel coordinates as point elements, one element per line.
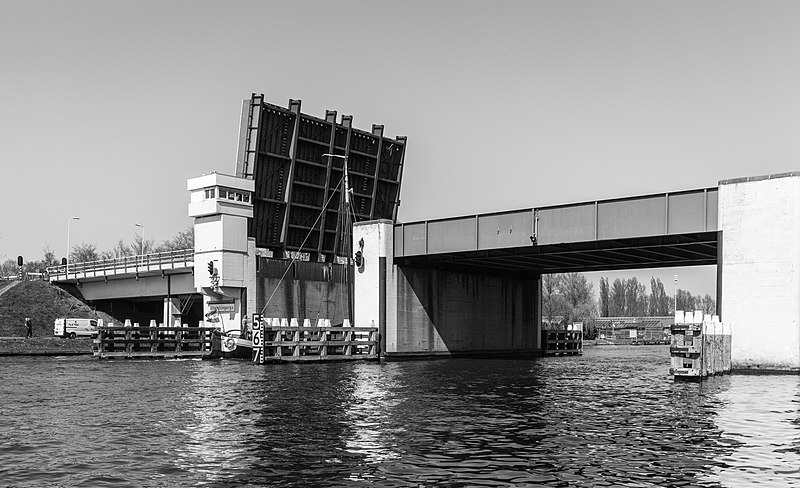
<point>348,242</point>
<point>346,233</point>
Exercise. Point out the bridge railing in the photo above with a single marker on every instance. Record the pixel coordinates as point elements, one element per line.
<point>124,264</point>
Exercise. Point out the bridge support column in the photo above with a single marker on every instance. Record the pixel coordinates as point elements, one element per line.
<point>760,270</point>
<point>448,312</point>
<point>430,312</point>
<point>375,241</point>
<point>172,312</point>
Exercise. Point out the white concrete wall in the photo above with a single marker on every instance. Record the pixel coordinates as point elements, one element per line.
<point>378,236</point>
<point>760,223</point>
<point>223,239</point>
<point>220,232</point>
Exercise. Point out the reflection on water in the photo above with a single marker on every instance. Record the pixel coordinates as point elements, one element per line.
<point>610,418</point>
<point>760,415</point>
<point>366,415</point>
<point>210,442</point>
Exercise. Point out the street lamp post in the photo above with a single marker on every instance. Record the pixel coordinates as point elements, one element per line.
<point>69,221</point>
<point>142,227</point>
<point>676,293</point>
<point>348,242</point>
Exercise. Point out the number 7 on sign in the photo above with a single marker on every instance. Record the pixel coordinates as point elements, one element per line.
<point>258,345</point>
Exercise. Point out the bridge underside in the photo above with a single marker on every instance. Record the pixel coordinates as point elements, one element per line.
<point>691,249</point>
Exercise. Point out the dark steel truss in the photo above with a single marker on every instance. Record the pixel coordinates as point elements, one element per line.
<point>282,150</point>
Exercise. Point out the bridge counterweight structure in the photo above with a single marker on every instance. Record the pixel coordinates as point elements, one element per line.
<point>283,151</point>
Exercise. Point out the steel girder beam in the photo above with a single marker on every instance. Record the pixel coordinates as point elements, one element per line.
<point>648,252</point>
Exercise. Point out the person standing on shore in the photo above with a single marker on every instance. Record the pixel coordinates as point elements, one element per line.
<point>28,327</point>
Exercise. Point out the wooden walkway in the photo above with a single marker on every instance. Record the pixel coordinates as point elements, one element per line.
<point>152,342</point>
<point>293,343</point>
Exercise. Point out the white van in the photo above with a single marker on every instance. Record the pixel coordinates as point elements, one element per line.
<point>73,328</point>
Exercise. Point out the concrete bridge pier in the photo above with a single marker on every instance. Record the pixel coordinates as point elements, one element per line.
<point>760,270</point>
<point>429,312</point>
<point>172,312</point>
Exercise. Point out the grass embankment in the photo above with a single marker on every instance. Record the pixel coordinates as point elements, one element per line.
<point>43,303</point>
<point>44,346</point>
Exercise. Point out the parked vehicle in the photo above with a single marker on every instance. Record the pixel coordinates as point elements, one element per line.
<point>73,328</point>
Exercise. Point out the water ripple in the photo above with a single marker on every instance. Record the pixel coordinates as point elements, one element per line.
<point>610,418</point>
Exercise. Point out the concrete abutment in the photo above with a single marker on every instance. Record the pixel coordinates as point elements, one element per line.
<point>760,270</point>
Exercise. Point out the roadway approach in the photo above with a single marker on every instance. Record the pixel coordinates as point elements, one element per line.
<point>472,284</point>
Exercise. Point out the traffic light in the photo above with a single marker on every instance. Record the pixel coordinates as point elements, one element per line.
<point>359,259</point>
<point>19,261</point>
<point>211,268</point>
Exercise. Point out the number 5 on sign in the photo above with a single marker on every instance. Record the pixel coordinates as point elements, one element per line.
<point>258,345</point>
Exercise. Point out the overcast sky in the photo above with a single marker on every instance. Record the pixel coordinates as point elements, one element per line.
<point>106,108</point>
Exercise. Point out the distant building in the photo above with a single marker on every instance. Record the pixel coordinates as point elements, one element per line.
<point>627,330</point>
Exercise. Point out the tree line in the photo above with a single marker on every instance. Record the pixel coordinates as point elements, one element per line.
<point>85,251</point>
<point>629,298</point>
<point>569,298</point>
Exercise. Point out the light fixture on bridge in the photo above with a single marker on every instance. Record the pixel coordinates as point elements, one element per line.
<point>140,225</point>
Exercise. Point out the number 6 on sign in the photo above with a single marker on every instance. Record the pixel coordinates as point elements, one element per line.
<point>258,346</point>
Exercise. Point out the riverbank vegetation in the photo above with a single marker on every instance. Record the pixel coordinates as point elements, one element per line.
<point>43,303</point>
<point>569,298</point>
<point>44,346</point>
<point>629,298</point>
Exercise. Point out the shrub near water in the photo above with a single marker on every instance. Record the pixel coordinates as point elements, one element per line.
<point>43,303</point>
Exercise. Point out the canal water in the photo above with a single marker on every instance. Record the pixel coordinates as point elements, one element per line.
<point>612,417</point>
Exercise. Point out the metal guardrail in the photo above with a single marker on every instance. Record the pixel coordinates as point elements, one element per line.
<point>126,264</point>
